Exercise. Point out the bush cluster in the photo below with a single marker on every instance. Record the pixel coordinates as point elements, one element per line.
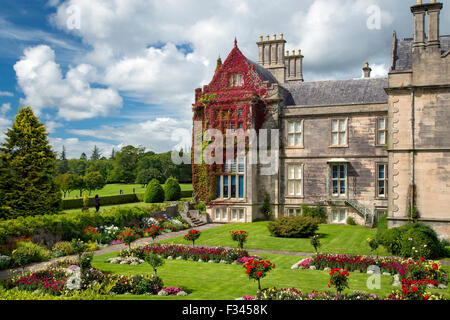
<point>154,192</point>
<point>413,240</point>
<point>317,212</point>
<point>293,227</point>
<point>172,190</point>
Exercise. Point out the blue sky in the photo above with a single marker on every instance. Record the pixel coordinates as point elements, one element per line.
<point>117,72</point>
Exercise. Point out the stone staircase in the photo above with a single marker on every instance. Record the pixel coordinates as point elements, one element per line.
<point>367,214</point>
<point>195,222</point>
<point>193,217</point>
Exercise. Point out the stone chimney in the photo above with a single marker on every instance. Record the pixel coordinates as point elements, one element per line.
<point>419,10</point>
<point>294,66</point>
<point>367,70</point>
<point>434,10</point>
<point>271,56</point>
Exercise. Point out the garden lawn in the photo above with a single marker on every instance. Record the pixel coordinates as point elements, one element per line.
<point>334,239</point>
<point>114,189</point>
<point>211,281</point>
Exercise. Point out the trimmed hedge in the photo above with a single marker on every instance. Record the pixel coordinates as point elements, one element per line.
<point>293,227</point>
<point>71,225</point>
<point>154,192</point>
<point>104,201</point>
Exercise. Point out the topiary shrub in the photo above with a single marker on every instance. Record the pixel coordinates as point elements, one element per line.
<point>172,189</point>
<point>391,240</point>
<point>420,240</point>
<point>293,227</point>
<point>154,192</point>
<point>351,221</point>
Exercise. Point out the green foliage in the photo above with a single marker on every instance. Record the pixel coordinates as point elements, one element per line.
<point>351,221</point>
<point>71,225</point>
<point>94,181</point>
<point>79,247</point>
<point>63,246</point>
<point>391,240</point>
<point>5,261</point>
<point>172,190</point>
<point>293,227</point>
<point>412,240</point>
<point>315,242</point>
<point>420,240</point>
<point>34,253</point>
<point>27,168</point>
<point>382,225</point>
<point>86,260</point>
<point>318,212</point>
<point>154,192</point>
<point>266,208</point>
<point>154,260</point>
<point>146,175</point>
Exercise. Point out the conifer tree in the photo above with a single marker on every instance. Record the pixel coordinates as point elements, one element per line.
<point>27,166</point>
<point>95,154</point>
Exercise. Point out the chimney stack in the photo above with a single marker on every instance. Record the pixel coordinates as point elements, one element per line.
<point>419,11</point>
<point>271,55</point>
<point>367,70</point>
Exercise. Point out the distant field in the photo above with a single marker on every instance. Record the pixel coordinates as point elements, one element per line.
<point>114,189</point>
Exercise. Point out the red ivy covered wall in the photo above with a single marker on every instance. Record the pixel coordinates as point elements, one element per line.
<point>223,106</point>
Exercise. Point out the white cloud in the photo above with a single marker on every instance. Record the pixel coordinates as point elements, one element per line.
<point>44,86</point>
<point>5,123</point>
<point>159,135</point>
<point>75,147</point>
<point>6,94</point>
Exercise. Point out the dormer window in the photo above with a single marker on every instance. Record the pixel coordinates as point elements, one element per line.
<point>236,80</point>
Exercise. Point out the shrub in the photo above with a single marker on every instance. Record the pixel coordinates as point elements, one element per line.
<point>154,192</point>
<point>391,240</point>
<point>351,221</point>
<point>293,227</point>
<point>373,244</point>
<point>318,212</point>
<point>4,262</point>
<point>36,252</point>
<point>192,235</point>
<point>86,260</point>
<point>64,247</point>
<point>240,237</point>
<point>339,280</point>
<point>315,242</point>
<point>420,240</point>
<point>258,269</point>
<point>172,190</point>
<point>154,260</point>
<point>21,257</point>
<point>382,225</point>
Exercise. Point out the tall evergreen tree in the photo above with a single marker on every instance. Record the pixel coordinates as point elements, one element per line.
<point>113,154</point>
<point>27,168</point>
<point>95,154</point>
<point>83,156</point>
<point>63,154</point>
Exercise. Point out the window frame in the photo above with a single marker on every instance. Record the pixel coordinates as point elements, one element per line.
<point>338,132</point>
<point>339,195</point>
<point>295,133</point>
<point>295,211</point>
<point>228,173</point>
<point>339,211</point>
<point>378,130</point>
<point>302,179</point>
<point>236,80</point>
<point>385,180</point>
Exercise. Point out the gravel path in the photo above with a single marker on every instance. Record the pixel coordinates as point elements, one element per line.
<point>42,265</point>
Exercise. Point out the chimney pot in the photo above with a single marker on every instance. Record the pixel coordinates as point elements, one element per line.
<point>260,38</point>
<point>281,36</point>
<point>367,70</point>
<point>287,53</point>
<point>274,37</point>
<point>267,38</point>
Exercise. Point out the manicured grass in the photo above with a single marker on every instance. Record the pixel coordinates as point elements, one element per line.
<point>114,189</point>
<point>210,281</point>
<point>334,239</point>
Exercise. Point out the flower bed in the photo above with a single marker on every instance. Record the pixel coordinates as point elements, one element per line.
<point>202,254</point>
<point>418,270</point>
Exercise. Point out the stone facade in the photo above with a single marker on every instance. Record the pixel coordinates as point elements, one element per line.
<point>358,147</point>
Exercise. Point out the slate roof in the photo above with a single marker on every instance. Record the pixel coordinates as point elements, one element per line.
<point>336,92</point>
<point>403,52</point>
<point>265,74</point>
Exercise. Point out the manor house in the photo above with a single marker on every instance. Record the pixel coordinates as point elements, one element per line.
<point>358,147</point>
